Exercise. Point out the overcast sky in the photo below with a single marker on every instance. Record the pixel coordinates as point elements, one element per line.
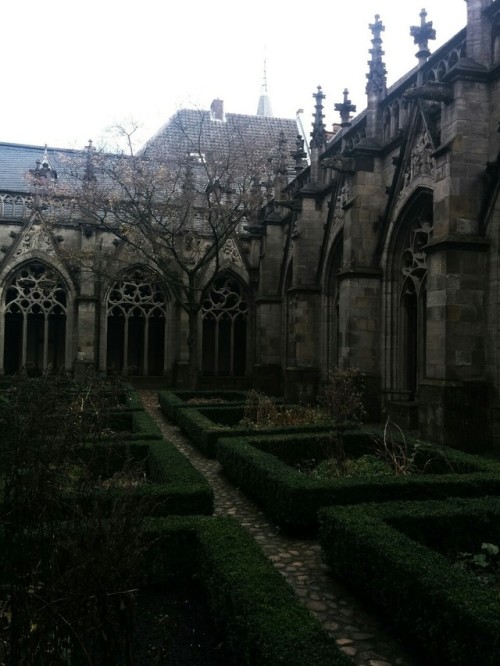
<point>70,70</point>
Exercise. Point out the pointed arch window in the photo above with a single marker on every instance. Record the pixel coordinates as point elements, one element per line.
<point>332,351</point>
<point>413,303</point>
<point>136,325</point>
<point>35,319</point>
<point>225,319</point>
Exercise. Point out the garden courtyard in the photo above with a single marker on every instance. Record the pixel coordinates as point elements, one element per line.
<point>204,527</point>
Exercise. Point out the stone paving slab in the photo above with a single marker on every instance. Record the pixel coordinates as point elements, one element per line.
<point>358,633</point>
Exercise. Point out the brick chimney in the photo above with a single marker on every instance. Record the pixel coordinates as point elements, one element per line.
<point>217,110</point>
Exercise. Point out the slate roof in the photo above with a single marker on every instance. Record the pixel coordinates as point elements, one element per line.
<point>16,160</point>
<point>177,136</point>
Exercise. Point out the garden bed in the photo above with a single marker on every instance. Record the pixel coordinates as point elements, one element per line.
<point>402,557</point>
<point>171,401</point>
<point>238,595</point>
<point>265,468</point>
<point>206,425</point>
<point>164,482</point>
<point>132,425</point>
<point>262,620</point>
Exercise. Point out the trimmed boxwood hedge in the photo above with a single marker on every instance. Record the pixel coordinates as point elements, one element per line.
<point>263,622</point>
<point>134,425</point>
<point>292,499</point>
<point>456,620</point>
<point>130,400</point>
<point>184,489</point>
<point>175,487</point>
<point>171,401</point>
<point>205,426</point>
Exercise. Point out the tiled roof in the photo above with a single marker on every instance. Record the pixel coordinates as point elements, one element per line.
<point>191,130</point>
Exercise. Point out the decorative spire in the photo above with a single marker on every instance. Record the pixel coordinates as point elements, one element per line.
<point>44,168</point>
<point>299,156</point>
<point>282,167</point>
<point>345,108</point>
<point>264,108</point>
<point>377,75</point>
<point>421,34</point>
<point>318,135</point>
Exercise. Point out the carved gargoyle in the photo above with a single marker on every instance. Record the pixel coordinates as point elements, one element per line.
<point>339,163</point>
<point>432,90</point>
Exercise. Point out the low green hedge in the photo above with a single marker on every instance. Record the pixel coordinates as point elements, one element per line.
<point>171,401</point>
<point>205,426</point>
<point>263,622</point>
<point>455,619</point>
<point>173,487</point>
<point>134,425</point>
<point>130,400</point>
<point>186,490</point>
<point>292,499</point>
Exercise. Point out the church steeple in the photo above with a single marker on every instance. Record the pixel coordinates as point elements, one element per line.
<point>264,108</point>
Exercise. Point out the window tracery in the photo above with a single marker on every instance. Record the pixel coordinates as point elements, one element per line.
<point>225,313</point>
<point>136,322</point>
<point>135,296</point>
<point>36,290</point>
<point>35,319</point>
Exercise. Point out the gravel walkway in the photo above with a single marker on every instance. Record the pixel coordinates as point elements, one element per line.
<point>360,635</point>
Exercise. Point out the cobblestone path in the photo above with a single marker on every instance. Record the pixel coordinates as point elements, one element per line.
<point>357,632</point>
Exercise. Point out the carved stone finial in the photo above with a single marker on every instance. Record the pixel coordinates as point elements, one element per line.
<point>299,155</point>
<point>345,108</point>
<point>377,75</point>
<point>421,35</point>
<point>318,135</point>
<point>282,164</point>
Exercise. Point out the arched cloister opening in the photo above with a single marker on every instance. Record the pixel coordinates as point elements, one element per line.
<point>407,295</point>
<point>332,345</point>
<point>35,320</point>
<point>288,322</point>
<point>225,314</point>
<point>136,315</point>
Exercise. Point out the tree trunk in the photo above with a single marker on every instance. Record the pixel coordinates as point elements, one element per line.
<point>193,356</point>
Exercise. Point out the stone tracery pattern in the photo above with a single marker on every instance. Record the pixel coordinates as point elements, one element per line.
<point>414,257</point>
<point>225,314</point>
<point>135,296</point>
<point>36,290</point>
<point>225,300</point>
<point>15,206</point>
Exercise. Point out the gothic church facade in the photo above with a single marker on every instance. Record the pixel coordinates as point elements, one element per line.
<point>380,254</point>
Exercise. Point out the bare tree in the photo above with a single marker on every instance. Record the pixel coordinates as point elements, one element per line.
<point>174,205</point>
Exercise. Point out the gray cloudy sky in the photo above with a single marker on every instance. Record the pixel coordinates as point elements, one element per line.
<point>71,70</point>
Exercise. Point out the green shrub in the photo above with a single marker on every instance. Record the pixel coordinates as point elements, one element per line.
<point>262,620</point>
<point>456,620</point>
<point>204,426</point>
<point>130,425</point>
<point>171,401</point>
<point>292,499</point>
